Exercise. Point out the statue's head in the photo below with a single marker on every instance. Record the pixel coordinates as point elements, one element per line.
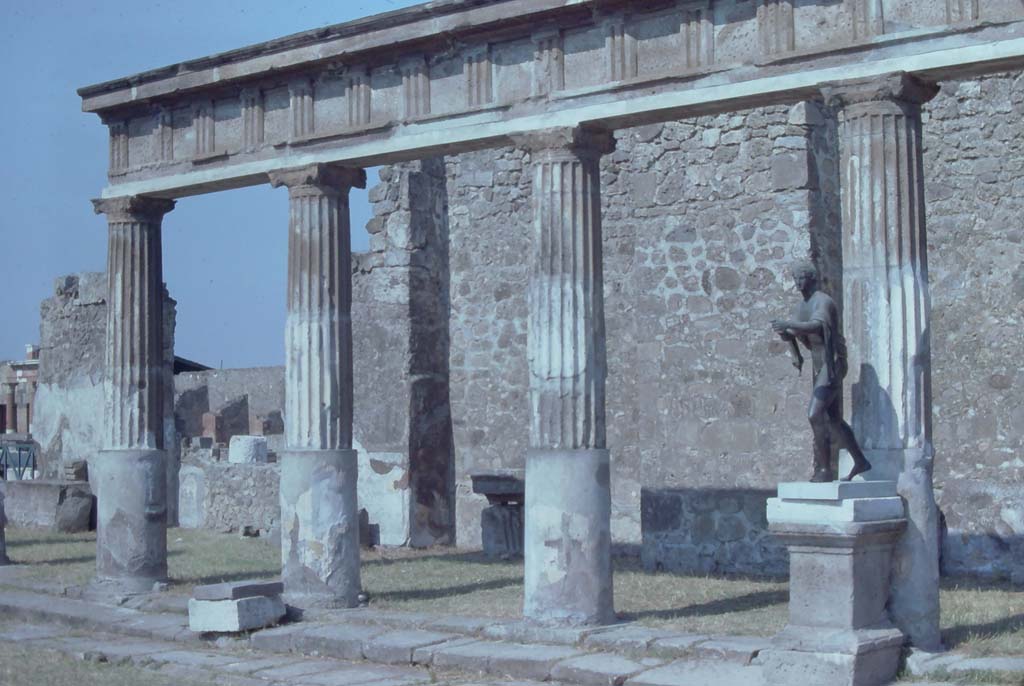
<point>805,274</point>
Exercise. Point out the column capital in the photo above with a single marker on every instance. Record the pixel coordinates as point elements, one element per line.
<point>575,141</point>
<point>327,178</point>
<point>899,87</point>
<point>133,208</point>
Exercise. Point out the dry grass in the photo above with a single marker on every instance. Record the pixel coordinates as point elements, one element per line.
<point>25,665</point>
<point>978,618</point>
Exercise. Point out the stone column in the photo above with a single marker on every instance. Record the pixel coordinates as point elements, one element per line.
<point>568,576</point>
<point>3,540</point>
<point>30,405</point>
<point>886,312</point>
<point>129,475</point>
<point>319,514</point>
<point>11,408</point>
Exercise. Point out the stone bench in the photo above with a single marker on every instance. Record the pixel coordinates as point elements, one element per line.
<point>501,523</point>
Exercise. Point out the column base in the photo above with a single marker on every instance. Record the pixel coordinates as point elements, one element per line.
<point>567,538</point>
<point>811,656</point>
<point>320,528</point>
<point>131,519</point>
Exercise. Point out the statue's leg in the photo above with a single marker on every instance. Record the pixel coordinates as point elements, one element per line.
<point>846,439</point>
<point>817,414</point>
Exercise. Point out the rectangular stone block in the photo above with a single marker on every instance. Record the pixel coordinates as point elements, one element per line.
<point>836,490</point>
<point>822,511</point>
<point>235,590</point>
<point>223,616</point>
<point>396,647</point>
<point>247,450</point>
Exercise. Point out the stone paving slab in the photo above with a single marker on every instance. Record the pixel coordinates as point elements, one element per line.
<point>512,659</point>
<point>699,673</point>
<point>526,632</point>
<point>677,646</point>
<point>340,641</point>
<point>354,675</point>
<point>741,649</point>
<point>253,663</point>
<point>458,624</point>
<point>292,672</point>
<point>397,647</point>
<point>425,655</point>
<point>628,638</point>
<point>920,663</point>
<point>600,669</point>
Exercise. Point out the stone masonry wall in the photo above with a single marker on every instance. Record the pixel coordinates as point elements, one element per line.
<point>702,219</point>
<point>699,232</point>
<point>974,174</point>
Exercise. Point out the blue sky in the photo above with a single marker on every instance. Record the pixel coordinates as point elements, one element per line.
<point>224,254</point>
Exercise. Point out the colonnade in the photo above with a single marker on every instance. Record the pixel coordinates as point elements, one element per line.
<point>568,576</point>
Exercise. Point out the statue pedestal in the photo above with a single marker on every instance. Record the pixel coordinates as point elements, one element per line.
<point>840,537</point>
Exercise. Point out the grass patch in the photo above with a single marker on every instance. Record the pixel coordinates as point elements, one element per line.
<point>978,618</point>
<point>28,665</point>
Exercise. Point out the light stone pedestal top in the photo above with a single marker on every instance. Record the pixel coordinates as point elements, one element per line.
<point>836,502</point>
<point>836,490</point>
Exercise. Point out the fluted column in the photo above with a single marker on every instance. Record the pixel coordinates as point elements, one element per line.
<point>887,312</point>
<point>130,473</point>
<point>568,575</point>
<point>11,408</point>
<point>319,515</point>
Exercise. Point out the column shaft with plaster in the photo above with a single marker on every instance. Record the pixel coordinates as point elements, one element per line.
<point>11,408</point>
<point>886,312</point>
<point>319,513</point>
<point>129,475</point>
<point>568,576</point>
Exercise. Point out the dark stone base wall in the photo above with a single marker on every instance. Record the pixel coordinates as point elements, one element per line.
<point>709,531</point>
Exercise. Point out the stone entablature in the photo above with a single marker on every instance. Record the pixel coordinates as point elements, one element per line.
<point>383,90</point>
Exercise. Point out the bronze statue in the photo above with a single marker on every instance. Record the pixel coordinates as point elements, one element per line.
<point>817,328</point>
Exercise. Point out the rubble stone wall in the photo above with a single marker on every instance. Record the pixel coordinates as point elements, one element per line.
<point>702,219</point>
<point>974,186</point>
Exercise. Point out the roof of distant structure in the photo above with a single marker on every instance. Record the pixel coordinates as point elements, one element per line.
<point>182,364</point>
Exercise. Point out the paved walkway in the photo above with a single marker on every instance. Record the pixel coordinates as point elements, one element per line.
<point>382,648</point>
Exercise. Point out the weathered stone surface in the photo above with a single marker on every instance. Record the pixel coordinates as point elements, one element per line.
<point>396,647</point>
<point>320,528</point>
<point>58,505</point>
<point>629,638</point>
<point>568,574</point>
<point>598,670</point>
<point>250,612</point>
<point>247,450</point>
<point>698,673</point>
<point>3,538</point>
<point>511,659</point>
<point>234,590</point>
<point>131,520</point>
<point>401,305</point>
<point>885,261</point>
<point>705,531</point>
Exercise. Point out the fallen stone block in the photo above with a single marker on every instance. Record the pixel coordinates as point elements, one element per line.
<point>236,590</point>
<point>223,616</point>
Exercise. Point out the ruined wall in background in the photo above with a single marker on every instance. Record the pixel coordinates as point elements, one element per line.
<point>67,419</point>
<point>974,187</point>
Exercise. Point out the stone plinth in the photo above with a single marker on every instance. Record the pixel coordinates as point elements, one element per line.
<point>501,523</point>
<point>840,538</point>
